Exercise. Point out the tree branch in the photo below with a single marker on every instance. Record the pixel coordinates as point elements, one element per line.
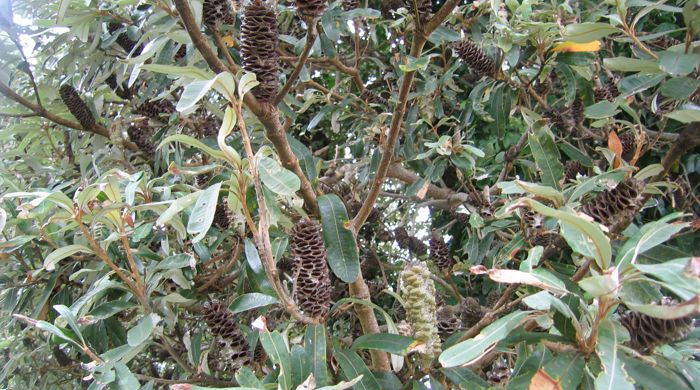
<point>310,39</point>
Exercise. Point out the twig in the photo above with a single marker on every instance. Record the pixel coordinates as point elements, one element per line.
<point>368,321</point>
<point>310,39</point>
<point>224,269</point>
<point>222,47</point>
<point>488,319</point>
<point>132,264</point>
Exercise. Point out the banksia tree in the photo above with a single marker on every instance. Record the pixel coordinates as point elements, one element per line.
<point>648,332</point>
<point>617,207</point>
<point>222,215</point>
<point>123,90</point>
<point>123,39</point>
<point>230,342</point>
<point>577,110</point>
<point>312,283</point>
<point>155,108</point>
<point>77,106</point>
<point>217,13</point>
<point>311,9</point>
<point>259,48</point>
<point>629,145</point>
<point>142,136</point>
<point>603,91</point>
<point>440,252</point>
<point>449,322</point>
<point>418,291</point>
<point>410,243</point>
<point>475,58</point>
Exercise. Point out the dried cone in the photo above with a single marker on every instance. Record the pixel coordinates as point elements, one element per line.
<point>77,106</point>
<point>216,13</point>
<point>572,168</point>
<point>449,322</point>
<point>142,136</point>
<point>311,9</point>
<point>122,91</point>
<point>470,311</point>
<point>231,342</point>
<point>422,8</point>
<point>629,145</point>
<point>154,108</point>
<point>259,48</point>
<point>123,39</point>
<point>440,253</point>
<point>647,332</point>
<point>499,372</point>
<point>180,53</point>
<point>477,60</point>
<point>350,5</point>
<point>577,110</point>
<point>418,291</point>
<point>312,284</point>
<point>604,92</point>
<point>388,7</point>
<point>222,215</point>
<point>617,207</point>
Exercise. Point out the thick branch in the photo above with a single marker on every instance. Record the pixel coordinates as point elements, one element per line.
<point>409,177</point>
<point>42,112</point>
<point>358,289</point>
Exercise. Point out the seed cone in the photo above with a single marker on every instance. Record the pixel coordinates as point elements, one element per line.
<point>471,311</point>
<point>577,110</point>
<point>180,53</point>
<point>558,120</point>
<point>142,136</point>
<point>216,13</point>
<point>123,39</point>
<point>573,168</point>
<point>222,215</point>
<point>412,244</point>
<point>477,60</point>
<point>122,91</point>
<point>388,7</point>
<point>449,322</point>
<point>77,106</point>
<point>606,92</point>
<point>629,145</point>
<point>350,5</point>
<point>617,207</point>
<point>312,284</point>
<point>230,340</point>
<point>259,48</point>
<point>311,9</point>
<point>418,291</point>
<point>440,253</point>
<point>648,332</point>
<point>154,108</point>
<point>499,372</point>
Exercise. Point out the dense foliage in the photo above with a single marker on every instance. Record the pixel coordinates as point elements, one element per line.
<point>369,194</point>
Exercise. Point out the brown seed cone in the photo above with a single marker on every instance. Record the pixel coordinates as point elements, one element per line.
<point>606,92</point>
<point>531,222</point>
<point>440,253</point>
<point>216,13</point>
<point>477,60</point>
<point>449,322</point>
<point>312,284</point>
<point>259,48</point>
<point>154,108</point>
<point>77,106</point>
<point>311,9</point>
<point>499,372</point>
<point>142,136</point>
<point>222,215</point>
<point>558,121</point>
<point>423,8</point>
<point>470,311</point>
<point>577,110</point>
<point>123,91</point>
<point>629,145</point>
<point>231,341</point>
<point>387,8</point>
<point>647,332</point>
<point>617,207</point>
<point>350,5</point>
<point>572,168</point>
<point>664,42</point>
<point>123,39</point>
<point>180,53</point>
<point>412,244</point>
<point>372,98</point>
<point>259,354</point>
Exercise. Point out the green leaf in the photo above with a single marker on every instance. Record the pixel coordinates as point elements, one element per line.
<point>180,260</point>
<point>668,312</point>
<point>415,64</point>
<point>650,235</point>
<point>677,64</point>
<point>587,32</point>
<point>567,369</point>
<point>203,212</point>
<point>68,315</point>
<point>176,207</point>
<point>251,301</point>
<point>471,349</point>
<point>542,191</point>
<point>343,256</point>
<point>613,375</point>
<point>601,285</point>
<point>276,349</point>
<point>499,107</point>
<point>625,64</point>
<point>353,367</point>
<point>342,385</point>
<point>634,84</point>
<point>315,344</point>
<point>683,115</point>
<point>306,159</point>
<point>601,110</point>
<point>546,155</point>
<point>125,379</point>
<point>392,343</point>
<point>247,82</point>
<point>603,251</point>
<point>56,331</point>
<point>187,140</point>
<point>187,71</point>
<point>143,329</point>
<point>680,87</point>
<point>61,253</point>
<point>276,178</point>
<point>109,309</point>
<point>193,93</point>
<point>256,274</point>
<point>674,274</point>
